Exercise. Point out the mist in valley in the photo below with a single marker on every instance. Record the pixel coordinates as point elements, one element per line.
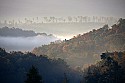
<point>15,39</point>
<point>24,43</point>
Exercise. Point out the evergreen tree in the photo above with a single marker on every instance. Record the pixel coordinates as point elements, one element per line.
<point>33,76</point>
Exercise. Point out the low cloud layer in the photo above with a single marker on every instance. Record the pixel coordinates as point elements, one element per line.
<point>25,43</point>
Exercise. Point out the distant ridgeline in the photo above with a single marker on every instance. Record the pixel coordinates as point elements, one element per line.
<point>86,48</point>
<point>16,32</point>
<point>69,19</point>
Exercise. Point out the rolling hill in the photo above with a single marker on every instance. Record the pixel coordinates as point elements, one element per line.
<point>85,48</point>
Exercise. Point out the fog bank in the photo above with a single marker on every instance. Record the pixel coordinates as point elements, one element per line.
<point>25,43</point>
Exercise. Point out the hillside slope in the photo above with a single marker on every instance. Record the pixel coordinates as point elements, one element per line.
<point>86,48</point>
<point>15,65</point>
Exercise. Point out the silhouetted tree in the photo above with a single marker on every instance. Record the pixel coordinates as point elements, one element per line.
<point>109,71</point>
<point>33,76</point>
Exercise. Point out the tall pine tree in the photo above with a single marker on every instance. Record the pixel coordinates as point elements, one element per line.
<point>33,76</point>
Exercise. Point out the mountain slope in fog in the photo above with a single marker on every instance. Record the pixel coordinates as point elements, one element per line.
<point>86,48</point>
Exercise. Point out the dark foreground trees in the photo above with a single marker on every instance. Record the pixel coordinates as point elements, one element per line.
<point>108,70</point>
<point>33,76</point>
<point>14,65</point>
<point>65,80</point>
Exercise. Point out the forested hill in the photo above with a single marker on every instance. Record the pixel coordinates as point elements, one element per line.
<point>15,65</point>
<point>86,48</point>
<point>16,32</point>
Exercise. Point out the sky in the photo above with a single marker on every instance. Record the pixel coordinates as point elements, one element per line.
<point>33,8</point>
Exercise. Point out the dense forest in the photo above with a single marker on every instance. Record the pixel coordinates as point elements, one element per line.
<point>18,67</point>
<point>110,69</point>
<point>85,49</point>
<point>15,65</point>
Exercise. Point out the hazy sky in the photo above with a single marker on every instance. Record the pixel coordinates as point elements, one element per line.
<point>32,8</point>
